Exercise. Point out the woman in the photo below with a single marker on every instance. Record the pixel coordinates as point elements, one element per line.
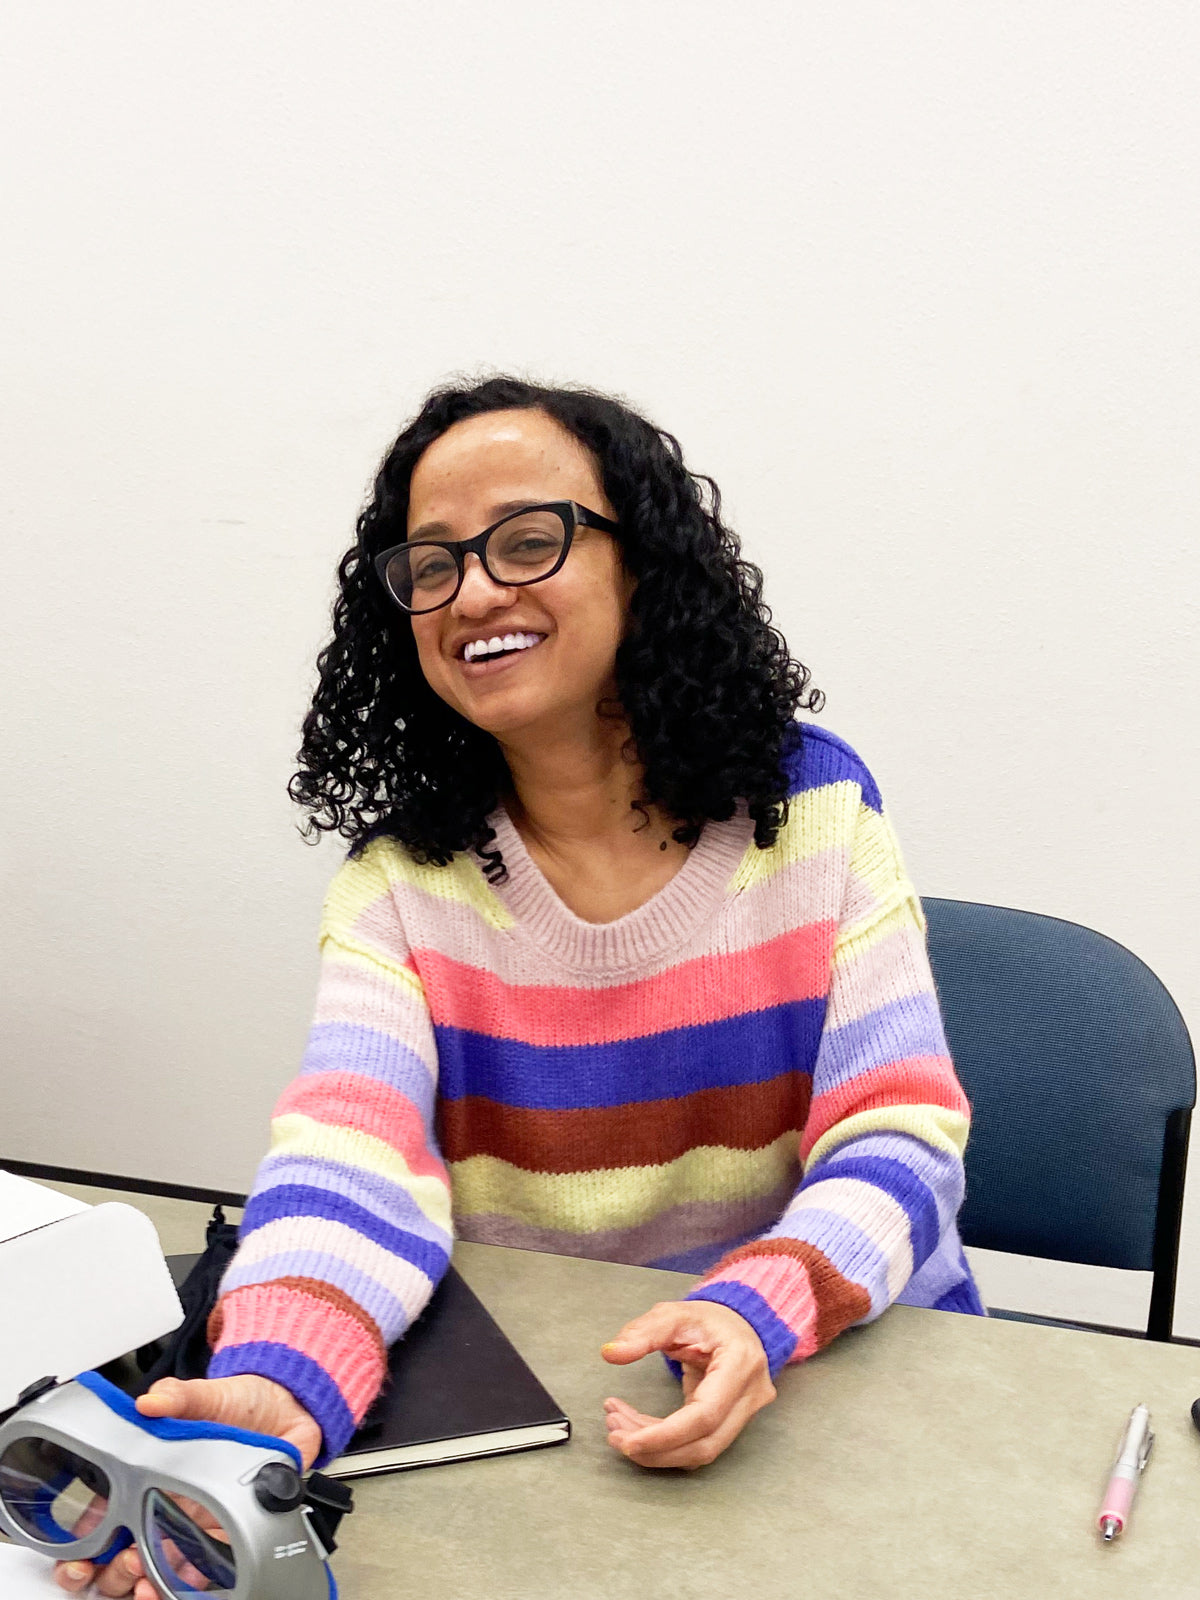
<point>623,961</point>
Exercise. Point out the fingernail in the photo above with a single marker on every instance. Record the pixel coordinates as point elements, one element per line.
<point>76,1571</point>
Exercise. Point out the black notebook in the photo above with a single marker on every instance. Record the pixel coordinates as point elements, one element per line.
<point>456,1388</point>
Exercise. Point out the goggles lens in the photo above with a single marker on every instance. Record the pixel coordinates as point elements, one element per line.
<point>190,1553</point>
<point>52,1494</point>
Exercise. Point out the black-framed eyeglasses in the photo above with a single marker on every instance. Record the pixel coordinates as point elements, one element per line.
<point>523,547</point>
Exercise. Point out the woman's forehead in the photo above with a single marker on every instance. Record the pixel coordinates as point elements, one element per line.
<point>501,456</point>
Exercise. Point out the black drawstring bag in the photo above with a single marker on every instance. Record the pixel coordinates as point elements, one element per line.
<point>184,1353</point>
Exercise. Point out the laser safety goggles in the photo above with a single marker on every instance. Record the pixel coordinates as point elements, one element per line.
<point>213,1510</point>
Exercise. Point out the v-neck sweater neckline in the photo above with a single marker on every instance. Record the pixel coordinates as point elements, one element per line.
<point>650,931</point>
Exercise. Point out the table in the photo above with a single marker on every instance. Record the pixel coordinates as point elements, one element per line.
<point>925,1455</point>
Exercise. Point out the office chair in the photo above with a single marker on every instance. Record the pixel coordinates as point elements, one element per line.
<point>1081,1077</point>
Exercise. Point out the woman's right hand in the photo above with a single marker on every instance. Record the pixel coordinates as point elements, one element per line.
<point>249,1402</point>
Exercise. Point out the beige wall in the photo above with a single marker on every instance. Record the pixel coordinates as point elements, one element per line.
<point>916,283</point>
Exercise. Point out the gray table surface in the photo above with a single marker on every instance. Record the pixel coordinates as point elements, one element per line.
<point>926,1455</point>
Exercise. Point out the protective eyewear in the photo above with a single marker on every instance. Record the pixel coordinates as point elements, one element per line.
<point>524,547</point>
<point>212,1509</point>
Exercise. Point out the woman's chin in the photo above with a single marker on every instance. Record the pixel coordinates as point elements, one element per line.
<point>530,711</point>
<point>525,720</point>
<point>503,716</point>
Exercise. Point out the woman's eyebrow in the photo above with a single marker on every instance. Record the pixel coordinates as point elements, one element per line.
<point>443,530</point>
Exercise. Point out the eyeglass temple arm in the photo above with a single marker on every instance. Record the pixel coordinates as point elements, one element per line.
<point>593,519</point>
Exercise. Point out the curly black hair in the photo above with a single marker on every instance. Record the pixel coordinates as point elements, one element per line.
<point>705,683</point>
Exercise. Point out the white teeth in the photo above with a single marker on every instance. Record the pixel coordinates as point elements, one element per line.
<point>511,641</point>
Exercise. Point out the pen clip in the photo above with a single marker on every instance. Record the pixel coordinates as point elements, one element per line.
<point>1144,1452</point>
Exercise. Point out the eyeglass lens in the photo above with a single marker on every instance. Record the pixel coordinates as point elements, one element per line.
<point>187,1556</point>
<point>51,1493</point>
<point>522,549</point>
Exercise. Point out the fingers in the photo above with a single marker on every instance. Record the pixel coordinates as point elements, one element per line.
<point>176,1564</point>
<point>673,1326</point>
<point>660,1435</point>
<point>166,1398</point>
<point>726,1381</point>
<point>712,1394</point>
<point>628,1427</point>
<point>691,1436</point>
<point>73,1576</point>
<point>620,1417</point>
<point>188,1398</point>
<point>242,1402</point>
<point>76,1575</point>
<point>124,1575</point>
<point>92,1517</point>
<point>693,1453</point>
<point>245,1401</point>
<point>662,1441</point>
<point>710,1419</point>
<point>120,1575</point>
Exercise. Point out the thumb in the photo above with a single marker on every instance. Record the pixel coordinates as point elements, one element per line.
<point>626,1347</point>
<point>653,1331</point>
<point>242,1401</point>
<point>188,1398</point>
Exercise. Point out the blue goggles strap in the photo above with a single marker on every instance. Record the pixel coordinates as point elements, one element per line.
<point>172,1428</point>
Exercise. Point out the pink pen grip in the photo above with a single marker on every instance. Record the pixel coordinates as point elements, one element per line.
<point>1118,1498</point>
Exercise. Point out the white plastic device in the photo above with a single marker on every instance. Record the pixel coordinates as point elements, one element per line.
<point>79,1285</point>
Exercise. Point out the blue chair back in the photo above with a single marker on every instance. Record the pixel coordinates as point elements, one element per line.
<point>1081,1077</point>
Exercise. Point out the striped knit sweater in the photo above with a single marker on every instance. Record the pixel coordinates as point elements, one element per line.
<point>745,1078</point>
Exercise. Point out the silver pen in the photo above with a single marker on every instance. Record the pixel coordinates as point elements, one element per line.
<point>1136,1443</point>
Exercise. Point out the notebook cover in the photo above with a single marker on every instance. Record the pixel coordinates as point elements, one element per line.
<point>452,1376</point>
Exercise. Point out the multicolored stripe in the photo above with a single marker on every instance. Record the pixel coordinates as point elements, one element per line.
<point>746,1077</point>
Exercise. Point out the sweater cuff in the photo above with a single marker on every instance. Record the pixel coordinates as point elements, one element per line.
<point>772,1289</point>
<point>312,1340</point>
<point>778,1340</point>
<point>310,1384</point>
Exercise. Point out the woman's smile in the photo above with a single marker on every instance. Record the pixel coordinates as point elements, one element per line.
<point>486,655</point>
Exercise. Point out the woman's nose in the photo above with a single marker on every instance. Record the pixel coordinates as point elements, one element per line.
<point>478,594</point>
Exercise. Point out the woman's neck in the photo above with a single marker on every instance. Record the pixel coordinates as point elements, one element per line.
<point>572,803</point>
<point>576,792</point>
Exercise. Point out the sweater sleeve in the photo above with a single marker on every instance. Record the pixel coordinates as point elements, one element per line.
<point>873,1218</point>
<point>348,1228</point>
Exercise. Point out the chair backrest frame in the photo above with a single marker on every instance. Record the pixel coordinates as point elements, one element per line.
<point>1034,1006</point>
<point>1168,1224</point>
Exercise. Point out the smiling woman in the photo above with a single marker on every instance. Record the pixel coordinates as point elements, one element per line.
<point>649,610</point>
<point>623,962</point>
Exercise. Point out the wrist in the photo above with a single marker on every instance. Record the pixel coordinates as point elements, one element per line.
<point>278,1393</point>
<point>778,1340</point>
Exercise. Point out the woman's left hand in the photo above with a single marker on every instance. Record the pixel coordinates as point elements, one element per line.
<point>725,1381</point>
